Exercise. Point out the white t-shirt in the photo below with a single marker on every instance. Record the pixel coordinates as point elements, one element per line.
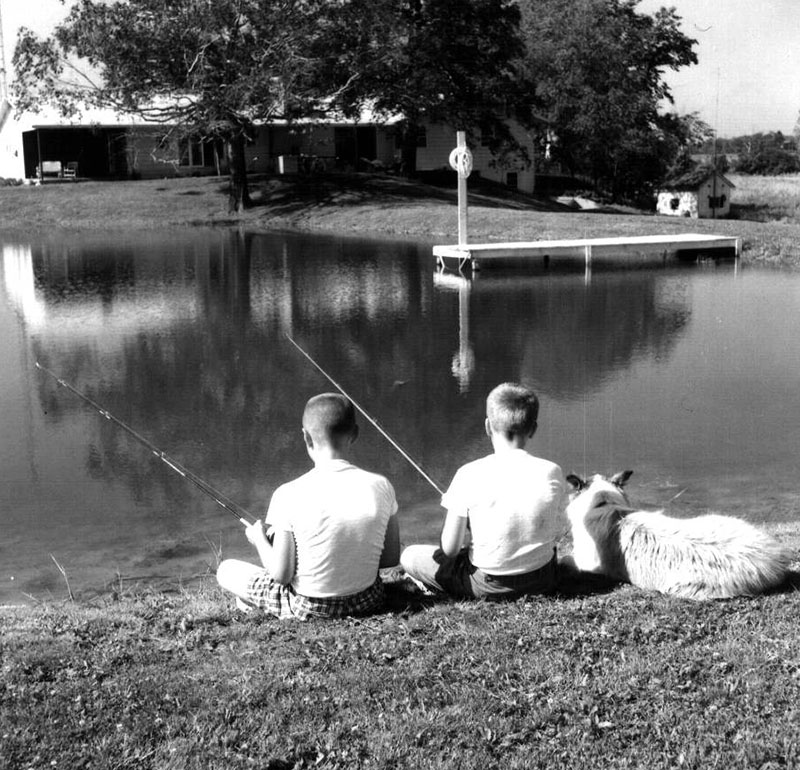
<point>338,515</point>
<point>515,505</point>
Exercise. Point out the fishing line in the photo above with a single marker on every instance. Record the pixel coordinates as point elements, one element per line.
<point>220,499</point>
<point>372,421</point>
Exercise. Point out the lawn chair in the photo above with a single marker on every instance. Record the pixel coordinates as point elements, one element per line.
<point>51,168</point>
<point>70,170</point>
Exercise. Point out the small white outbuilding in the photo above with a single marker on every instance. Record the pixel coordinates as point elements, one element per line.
<point>701,193</point>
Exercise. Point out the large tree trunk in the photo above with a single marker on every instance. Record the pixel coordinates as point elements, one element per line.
<point>239,197</point>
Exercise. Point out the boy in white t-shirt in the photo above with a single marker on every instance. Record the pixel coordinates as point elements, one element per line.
<point>513,505</point>
<point>330,530</point>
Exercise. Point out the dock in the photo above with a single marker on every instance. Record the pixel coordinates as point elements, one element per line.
<point>478,256</point>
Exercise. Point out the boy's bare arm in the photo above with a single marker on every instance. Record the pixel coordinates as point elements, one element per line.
<point>278,556</point>
<point>390,556</point>
<point>284,561</point>
<point>453,531</point>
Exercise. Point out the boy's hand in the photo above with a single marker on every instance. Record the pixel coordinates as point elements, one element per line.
<point>255,533</point>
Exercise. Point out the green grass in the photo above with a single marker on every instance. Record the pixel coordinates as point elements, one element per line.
<point>388,206</point>
<point>766,198</point>
<point>602,678</point>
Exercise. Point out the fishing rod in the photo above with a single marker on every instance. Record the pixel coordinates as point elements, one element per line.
<point>368,417</point>
<point>220,499</point>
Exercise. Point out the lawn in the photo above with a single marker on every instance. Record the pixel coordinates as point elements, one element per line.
<point>372,205</point>
<point>766,198</point>
<point>593,677</point>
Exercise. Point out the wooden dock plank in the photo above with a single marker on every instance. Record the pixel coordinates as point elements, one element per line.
<point>478,255</point>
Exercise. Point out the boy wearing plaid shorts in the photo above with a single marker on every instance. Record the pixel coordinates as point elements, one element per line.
<point>330,530</point>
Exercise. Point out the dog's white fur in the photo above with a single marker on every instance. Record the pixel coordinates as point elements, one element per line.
<point>706,557</point>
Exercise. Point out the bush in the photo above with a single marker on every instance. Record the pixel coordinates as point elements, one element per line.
<point>768,161</point>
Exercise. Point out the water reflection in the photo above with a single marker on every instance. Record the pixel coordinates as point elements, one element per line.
<point>183,337</point>
<point>567,342</point>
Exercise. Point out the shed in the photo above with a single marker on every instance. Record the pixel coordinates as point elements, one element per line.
<point>700,193</point>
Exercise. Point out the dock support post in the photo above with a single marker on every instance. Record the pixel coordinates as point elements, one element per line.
<point>462,197</point>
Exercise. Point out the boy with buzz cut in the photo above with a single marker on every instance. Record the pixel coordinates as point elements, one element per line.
<point>513,505</point>
<point>330,530</point>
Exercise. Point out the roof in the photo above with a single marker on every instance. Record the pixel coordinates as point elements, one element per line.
<point>49,117</point>
<point>691,180</point>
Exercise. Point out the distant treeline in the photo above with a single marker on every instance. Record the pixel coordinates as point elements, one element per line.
<point>762,153</point>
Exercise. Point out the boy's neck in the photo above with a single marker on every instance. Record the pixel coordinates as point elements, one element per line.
<point>321,455</point>
<point>507,443</point>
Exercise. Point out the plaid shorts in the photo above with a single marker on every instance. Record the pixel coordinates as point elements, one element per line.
<point>282,602</point>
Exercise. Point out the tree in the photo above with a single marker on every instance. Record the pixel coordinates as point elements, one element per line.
<point>596,68</point>
<point>448,61</point>
<point>209,67</point>
<point>767,154</point>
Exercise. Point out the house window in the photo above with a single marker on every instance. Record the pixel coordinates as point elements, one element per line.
<point>196,152</point>
<point>422,136</point>
<point>674,203</point>
<point>717,202</point>
<point>512,179</point>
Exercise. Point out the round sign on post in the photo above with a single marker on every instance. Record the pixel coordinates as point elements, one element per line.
<point>461,161</point>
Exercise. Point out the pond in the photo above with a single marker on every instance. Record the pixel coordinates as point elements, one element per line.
<point>687,374</point>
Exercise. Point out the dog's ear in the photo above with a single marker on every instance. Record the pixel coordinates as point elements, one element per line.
<point>621,478</point>
<point>576,482</point>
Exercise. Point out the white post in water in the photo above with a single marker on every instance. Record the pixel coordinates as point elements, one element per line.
<point>461,162</point>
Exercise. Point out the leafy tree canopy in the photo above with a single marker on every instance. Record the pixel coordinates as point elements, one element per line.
<point>453,62</point>
<point>596,68</point>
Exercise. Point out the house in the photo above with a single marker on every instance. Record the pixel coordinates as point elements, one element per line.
<point>701,193</point>
<point>101,144</point>
<point>436,140</point>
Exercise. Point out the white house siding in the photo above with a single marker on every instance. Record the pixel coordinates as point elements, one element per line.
<point>678,203</point>
<point>708,190</point>
<point>440,141</point>
<point>12,158</point>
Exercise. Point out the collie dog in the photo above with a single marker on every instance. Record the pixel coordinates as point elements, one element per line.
<point>705,557</point>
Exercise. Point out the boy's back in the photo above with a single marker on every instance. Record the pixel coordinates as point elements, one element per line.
<point>332,510</point>
<point>509,505</point>
<point>516,510</point>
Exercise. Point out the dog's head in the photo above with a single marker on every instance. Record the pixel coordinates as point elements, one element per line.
<point>597,492</point>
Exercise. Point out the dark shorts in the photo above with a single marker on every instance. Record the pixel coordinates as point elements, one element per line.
<point>459,578</point>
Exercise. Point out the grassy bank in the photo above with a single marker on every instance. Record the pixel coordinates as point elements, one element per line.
<point>590,678</point>
<point>375,205</point>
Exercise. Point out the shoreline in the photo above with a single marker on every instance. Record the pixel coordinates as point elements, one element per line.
<point>787,532</point>
<point>363,206</point>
